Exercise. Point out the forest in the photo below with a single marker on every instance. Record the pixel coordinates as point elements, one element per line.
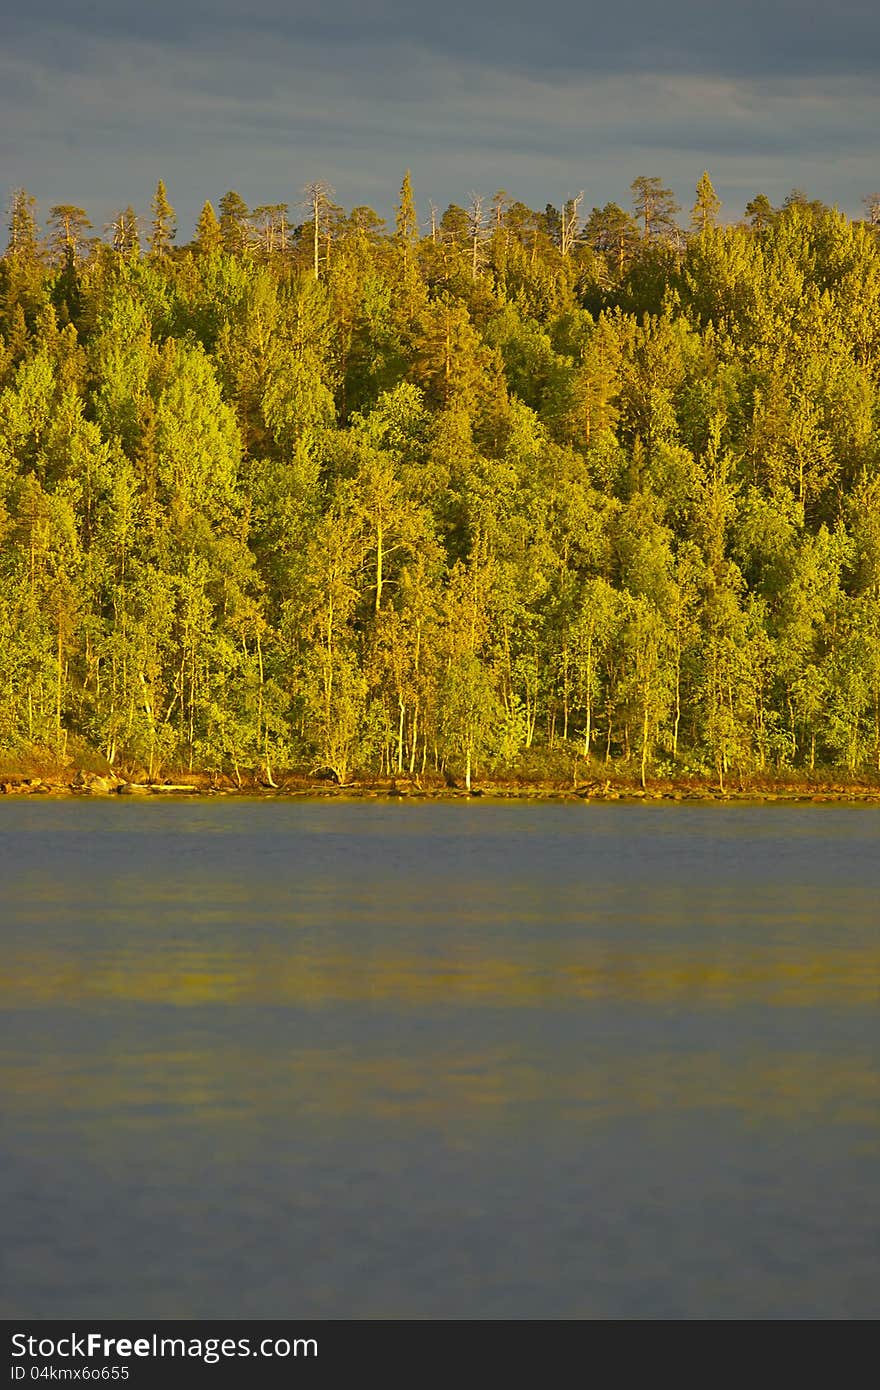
<point>489,493</point>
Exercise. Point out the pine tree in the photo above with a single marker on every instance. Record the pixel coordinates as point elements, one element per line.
<point>271,223</point>
<point>125,234</point>
<point>22,225</point>
<point>454,224</point>
<point>407,223</point>
<point>208,236</point>
<point>500,203</point>
<point>476,232</point>
<point>654,206</point>
<point>613,232</point>
<point>68,225</point>
<point>234,223</point>
<point>319,196</point>
<point>570,223</point>
<point>760,212</point>
<point>705,211</point>
<point>164,227</point>
<point>872,209</point>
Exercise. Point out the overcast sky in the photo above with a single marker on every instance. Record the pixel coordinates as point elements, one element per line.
<point>99,98</point>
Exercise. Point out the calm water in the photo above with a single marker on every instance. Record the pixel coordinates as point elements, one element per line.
<point>381,1060</point>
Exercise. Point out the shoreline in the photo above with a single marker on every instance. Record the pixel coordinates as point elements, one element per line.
<point>82,784</point>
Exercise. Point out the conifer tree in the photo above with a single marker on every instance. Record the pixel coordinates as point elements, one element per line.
<point>407,222</point>
<point>760,212</point>
<point>271,223</point>
<point>655,207</point>
<point>613,232</point>
<point>22,225</point>
<point>454,224</point>
<point>476,231</point>
<point>164,228</point>
<point>500,203</point>
<point>124,233</point>
<point>705,211</point>
<point>570,223</point>
<point>68,225</point>
<point>233,223</point>
<point>318,195</point>
<point>872,209</point>
<point>208,237</point>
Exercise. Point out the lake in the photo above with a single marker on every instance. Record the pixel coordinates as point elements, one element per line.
<point>378,1060</point>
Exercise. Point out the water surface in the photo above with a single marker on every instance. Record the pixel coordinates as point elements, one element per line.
<point>375,1060</point>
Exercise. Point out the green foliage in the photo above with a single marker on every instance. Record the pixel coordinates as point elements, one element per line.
<point>208,234</point>
<point>164,224</point>
<point>706,207</point>
<point>375,504</point>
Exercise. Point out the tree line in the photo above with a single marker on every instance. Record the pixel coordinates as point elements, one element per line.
<point>490,492</point>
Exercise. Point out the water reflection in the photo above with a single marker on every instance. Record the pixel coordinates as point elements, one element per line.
<point>295,972</point>
<point>377,1061</point>
<point>217,1085</point>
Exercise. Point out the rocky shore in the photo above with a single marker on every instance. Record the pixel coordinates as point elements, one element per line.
<point>87,784</point>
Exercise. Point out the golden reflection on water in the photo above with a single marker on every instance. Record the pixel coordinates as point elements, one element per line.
<point>219,1085</point>
<point>304,973</point>
<point>215,986</point>
<point>359,1068</point>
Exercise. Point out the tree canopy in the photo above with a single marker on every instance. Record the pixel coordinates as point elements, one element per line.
<point>530,489</point>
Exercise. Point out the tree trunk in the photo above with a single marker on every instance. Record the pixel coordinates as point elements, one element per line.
<point>677,720</point>
<point>414,745</point>
<point>60,685</point>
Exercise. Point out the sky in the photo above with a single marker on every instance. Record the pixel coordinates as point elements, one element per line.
<point>541,98</point>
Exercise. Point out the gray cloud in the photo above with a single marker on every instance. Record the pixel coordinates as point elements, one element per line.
<point>752,37</point>
<point>98,100</point>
